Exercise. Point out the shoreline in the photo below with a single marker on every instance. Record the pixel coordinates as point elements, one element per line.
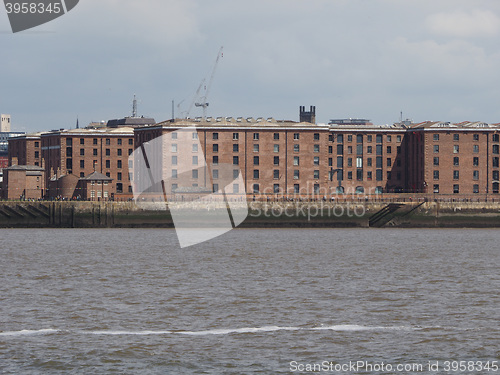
<point>20,214</point>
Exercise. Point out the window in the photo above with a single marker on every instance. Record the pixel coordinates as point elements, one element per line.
<point>215,160</point>
<point>436,148</point>
<point>316,148</point>
<point>82,164</point>
<point>119,176</point>
<point>296,188</point>
<point>82,141</point>
<point>349,138</point>
<point>398,139</point>
<point>276,136</point>
<point>456,175</point>
<point>195,135</point>
<point>174,160</point>
<point>436,161</point>
<point>369,138</point>
<point>359,138</point>
<point>215,188</point>
<point>94,141</point>
<point>330,149</point>
<point>108,164</point>
<point>340,138</point>
<point>475,175</point>
<point>296,174</point>
<point>369,175</point>
<point>475,162</point>
<point>496,137</point>
<point>215,136</point>
<point>349,162</point>
<point>495,176</point>
<point>369,150</point>
<point>276,174</point>
<point>37,154</point>
<point>359,162</point>
<point>255,174</point>
<point>379,149</point>
<point>173,147</point>
<point>174,187</point>
<point>236,174</point>
<point>108,141</point>
<point>475,137</point>
<point>94,152</point>
<point>340,162</point>
<point>130,151</point>
<point>296,148</point>
<point>359,175</point>
<point>456,137</point>
<point>496,187</point>
<point>195,147</point>
<point>456,149</point>
<point>130,142</point>
<point>215,147</point>
<point>195,160</point>
<point>456,161</point>
<point>276,160</point>
<point>276,148</point>
<point>236,188</point>
<point>369,162</point>
<point>436,175</point>
<point>316,188</point>
<point>389,149</point>
<point>379,162</point>
<point>255,160</point>
<point>389,175</point>
<point>495,149</point>
<point>194,173</point>
<point>276,188</point>
<point>119,187</point>
<point>316,136</point>
<point>296,136</point>
<point>255,136</point>
<point>316,160</point>
<point>82,152</point>
<point>379,138</point>
<point>108,152</point>
<point>349,175</point>
<point>255,148</point>
<point>475,189</point>
<point>174,173</point>
<point>349,149</point>
<point>296,160</point>
<point>119,164</point>
<point>378,174</point>
<point>389,138</point>
<point>316,174</point>
<point>119,141</point>
<point>456,189</point>
<point>235,160</point>
<point>330,162</point>
<point>496,162</point>
<point>235,136</point>
<point>359,149</point>
<point>435,189</point>
<point>435,137</point>
<point>236,147</point>
<point>389,162</point>
<point>340,150</point>
<point>82,174</point>
<point>119,152</point>
<point>475,149</point>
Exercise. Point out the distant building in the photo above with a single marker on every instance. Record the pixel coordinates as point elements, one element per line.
<point>132,122</point>
<point>4,123</point>
<point>23,182</point>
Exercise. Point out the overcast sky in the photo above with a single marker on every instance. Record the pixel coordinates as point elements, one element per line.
<point>431,59</point>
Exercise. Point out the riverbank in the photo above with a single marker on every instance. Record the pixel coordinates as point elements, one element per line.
<point>261,214</point>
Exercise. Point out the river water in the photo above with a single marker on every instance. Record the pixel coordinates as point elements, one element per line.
<point>267,301</point>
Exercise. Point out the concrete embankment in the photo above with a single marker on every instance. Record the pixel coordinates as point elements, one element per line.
<point>261,214</point>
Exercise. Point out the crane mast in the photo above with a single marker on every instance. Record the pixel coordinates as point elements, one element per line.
<point>203,99</point>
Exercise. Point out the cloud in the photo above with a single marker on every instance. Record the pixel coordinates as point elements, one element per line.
<point>477,23</point>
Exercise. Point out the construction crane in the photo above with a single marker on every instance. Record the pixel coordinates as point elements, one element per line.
<point>203,99</point>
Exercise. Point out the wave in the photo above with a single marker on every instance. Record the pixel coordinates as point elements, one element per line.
<point>217,331</point>
<point>27,332</point>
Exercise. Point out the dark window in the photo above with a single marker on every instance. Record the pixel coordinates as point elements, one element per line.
<point>436,175</point>
<point>119,141</point>
<point>456,161</point>
<point>255,160</point>
<point>256,188</point>
<point>316,136</point>
<point>119,164</point>
<point>276,136</point>
<point>276,160</point>
<point>340,150</point>
<point>69,164</point>
<point>236,147</point>
<point>256,174</point>
<point>475,162</point>
<point>436,161</point>
<point>359,138</point>
<point>435,137</point>
<point>379,162</point>
<point>82,164</point>
<point>82,141</point>
<point>94,141</point>
<point>330,149</point>
<point>255,136</point>
<point>475,175</point>
<point>475,137</point>
<point>296,136</point>
<point>276,174</point>
<point>389,149</point>
<point>379,138</point>
<point>456,137</point>
<point>340,162</point>
<point>108,164</point>
<point>389,162</point>
<point>276,188</point>
<point>456,175</point>
<point>69,141</point>
<point>340,138</point>
<point>379,149</point>
<point>359,149</point>
<point>119,176</point>
<point>235,160</point>
<point>496,162</point>
<point>369,162</point>
<point>82,152</point>
<point>119,187</point>
<point>130,141</point>
<point>215,147</point>
<point>215,160</point>
<point>359,174</point>
<point>349,138</point>
<point>456,189</point>
<point>496,137</point>
<point>215,136</point>
<point>108,152</point>
<point>378,174</point>
<point>94,151</point>
<point>108,141</point>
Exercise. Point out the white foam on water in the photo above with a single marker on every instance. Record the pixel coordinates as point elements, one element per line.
<point>238,330</point>
<point>129,333</point>
<point>354,328</point>
<point>27,332</point>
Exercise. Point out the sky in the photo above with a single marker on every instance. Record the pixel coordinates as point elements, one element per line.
<point>430,59</point>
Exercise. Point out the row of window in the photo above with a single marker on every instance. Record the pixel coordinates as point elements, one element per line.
<point>369,150</point>
<point>456,175</point>
<point>475,188</point>
<point>369,138</point>
<point>475,137</point>
<point>95,152</point>
<point>119,141</point>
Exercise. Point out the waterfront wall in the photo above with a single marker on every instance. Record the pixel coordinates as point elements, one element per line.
<point>261,214</point>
